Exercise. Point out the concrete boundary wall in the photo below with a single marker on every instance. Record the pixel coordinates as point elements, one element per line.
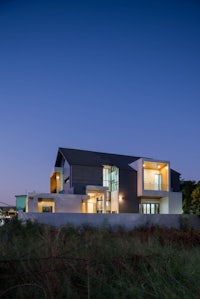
<point>126,221</point>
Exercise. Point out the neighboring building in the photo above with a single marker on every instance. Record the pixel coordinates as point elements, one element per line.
<point>7,211</point>
<point>94,182</point>
<point>20,202</point>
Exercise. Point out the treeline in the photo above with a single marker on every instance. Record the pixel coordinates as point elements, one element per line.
<point>191,197</point>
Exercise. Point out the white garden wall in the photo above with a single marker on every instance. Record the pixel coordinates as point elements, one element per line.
<point>127,221</point>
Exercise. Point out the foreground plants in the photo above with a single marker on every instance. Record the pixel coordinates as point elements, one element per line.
<point>39,261</point>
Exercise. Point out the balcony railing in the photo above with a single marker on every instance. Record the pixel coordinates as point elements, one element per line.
<point>155,187</point>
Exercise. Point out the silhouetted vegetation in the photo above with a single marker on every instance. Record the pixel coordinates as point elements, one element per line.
<point>191,197</point>
<point>39,261</point>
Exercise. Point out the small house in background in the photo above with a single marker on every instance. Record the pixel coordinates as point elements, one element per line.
<point>94,182</point>
<point>6,214</point>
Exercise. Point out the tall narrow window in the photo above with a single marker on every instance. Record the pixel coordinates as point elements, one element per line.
<point>99,204</point>
<point>111,177</point>
<point>158,182</point>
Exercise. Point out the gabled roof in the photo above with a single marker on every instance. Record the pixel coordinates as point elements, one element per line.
<point>90,158</point>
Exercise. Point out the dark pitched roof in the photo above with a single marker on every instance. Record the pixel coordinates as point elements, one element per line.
<point>175,172</point>
<point>90,158</point>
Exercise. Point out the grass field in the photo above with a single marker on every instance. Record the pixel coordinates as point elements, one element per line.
<point>39,261</point>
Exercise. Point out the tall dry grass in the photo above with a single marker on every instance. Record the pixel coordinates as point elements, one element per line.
<point>39,261</point>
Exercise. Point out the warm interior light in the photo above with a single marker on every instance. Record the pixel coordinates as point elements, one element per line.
<point>144,165</point>
<point>57,177</point>
<point>120,198</point>
<point>159,166</point>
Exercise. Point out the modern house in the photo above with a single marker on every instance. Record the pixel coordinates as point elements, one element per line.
<point>94,182</point>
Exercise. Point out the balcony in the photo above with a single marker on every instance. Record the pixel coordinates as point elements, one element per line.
<point>153,177</point>
<point>155,186</point>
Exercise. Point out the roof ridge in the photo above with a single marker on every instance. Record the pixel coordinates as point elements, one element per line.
<point>97,152</point>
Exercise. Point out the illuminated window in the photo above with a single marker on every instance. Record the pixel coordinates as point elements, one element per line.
<point>100,204</point>
<point>158,182</point>
<point>111,177</point>
<point>150,208</point>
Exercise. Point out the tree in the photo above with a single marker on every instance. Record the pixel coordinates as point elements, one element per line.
<point>187,187</point>
<point>195,203</point>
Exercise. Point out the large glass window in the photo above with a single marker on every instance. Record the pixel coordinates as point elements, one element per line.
<point>106,177</point>
<point>111,177</point>
<point>149,208</point>
<point>156,176</point>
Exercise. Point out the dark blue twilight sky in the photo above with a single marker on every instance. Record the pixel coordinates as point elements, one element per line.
<point>113,76</point>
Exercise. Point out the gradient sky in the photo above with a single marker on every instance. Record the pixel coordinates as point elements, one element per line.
<point>113,76</point>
